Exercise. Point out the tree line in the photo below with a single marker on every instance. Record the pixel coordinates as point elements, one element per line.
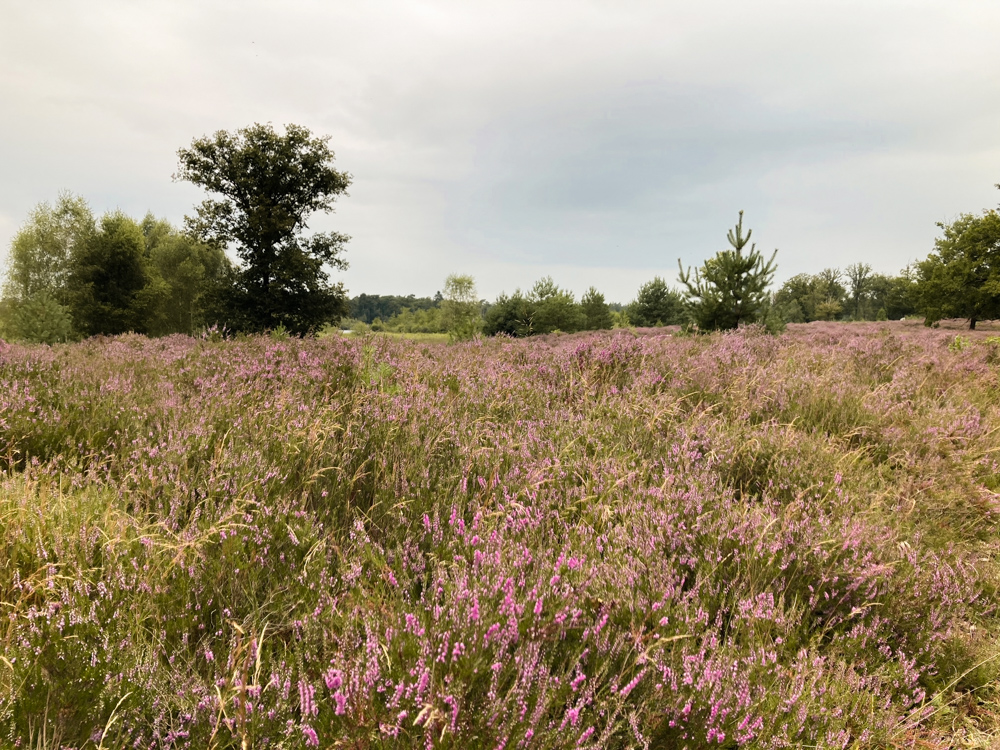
<point>70,275</point>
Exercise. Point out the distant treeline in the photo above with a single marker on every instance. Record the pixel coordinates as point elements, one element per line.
<point>371,307</point>
<point>543,309</point>
<point>70,276</point>
<point>854,294</point>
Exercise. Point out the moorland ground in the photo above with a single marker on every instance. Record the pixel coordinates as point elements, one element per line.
<point>623,539</point>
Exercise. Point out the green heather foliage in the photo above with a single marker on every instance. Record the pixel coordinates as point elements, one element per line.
<point>606,540</point>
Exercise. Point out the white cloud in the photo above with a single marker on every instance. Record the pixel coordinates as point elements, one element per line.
<point>594,140</point>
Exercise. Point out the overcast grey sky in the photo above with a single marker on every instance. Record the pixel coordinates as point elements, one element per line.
<point>592,140</point>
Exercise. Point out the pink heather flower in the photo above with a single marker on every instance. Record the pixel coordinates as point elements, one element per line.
<point>209,656</point>
<point>312,739</point>
<point>334,678</point>
<point>538,606</point>
<point>425,678</point>
<point>573,715</point>
<point>631,686</point>
<point>306,699</point>
<point>341,700</point>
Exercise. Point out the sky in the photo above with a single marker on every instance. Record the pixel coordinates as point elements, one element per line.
<point>594,141</point>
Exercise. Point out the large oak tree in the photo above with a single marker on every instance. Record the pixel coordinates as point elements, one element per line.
<point>266,186</point>
<point>961,279</point>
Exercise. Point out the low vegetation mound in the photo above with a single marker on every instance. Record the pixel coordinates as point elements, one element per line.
<point>604,540</point>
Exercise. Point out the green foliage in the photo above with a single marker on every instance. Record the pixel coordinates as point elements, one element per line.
<point>620,319</point>
<point>893,296</point>
<point>548,308</point>
<point>859,277</point>
<point>790,310</point>
<point>797,299</point>
<point>730,289</point>
<point>460,309</point>
<point>961,279</point>
<point>35,281</point>
<point>268,185</point>
<point>959,344</point>
<point>511,316</point>
<point>367,307</point>
<point>555,309</point>
<point>657,304</point>
<point>40,252</point>
<point>40,319</point>
<point>412,321</point>
<point>354,325</point>
<point>808,297</point>
<point>187,277</point>
<point>829,309</point>
<point>596,311</point>
<point>109,284</point>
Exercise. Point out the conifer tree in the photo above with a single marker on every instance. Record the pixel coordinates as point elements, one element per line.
<point>596,310</point>
<point>730,289</point>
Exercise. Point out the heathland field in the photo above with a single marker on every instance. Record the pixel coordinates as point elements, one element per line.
<point>608,540</point>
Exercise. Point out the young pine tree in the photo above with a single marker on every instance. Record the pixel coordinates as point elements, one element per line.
<point>596,310</point>
<point>730,289</point>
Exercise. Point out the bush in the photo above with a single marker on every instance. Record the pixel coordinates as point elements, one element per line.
<point>656,305</point>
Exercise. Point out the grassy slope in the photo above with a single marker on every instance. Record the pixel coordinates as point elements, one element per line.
<point>601,540</point>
